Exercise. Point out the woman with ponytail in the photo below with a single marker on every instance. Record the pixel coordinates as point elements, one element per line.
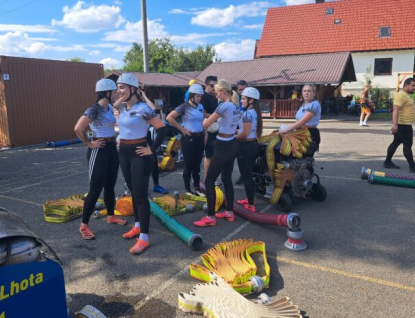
<point>136,157</point>
<point>102,154</point>
<point>248,145</point>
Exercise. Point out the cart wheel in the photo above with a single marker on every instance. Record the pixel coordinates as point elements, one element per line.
<point>285,203</point>
<point>318,192</point>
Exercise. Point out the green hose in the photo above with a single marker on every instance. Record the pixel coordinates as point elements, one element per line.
<point>391,181</point>
<point>193,240</point>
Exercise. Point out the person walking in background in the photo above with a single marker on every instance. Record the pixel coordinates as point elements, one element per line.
<point>402,119</point>
<point>193,136</point>
<point>136,157</point>
<point>227,116</point>
<point>102,155</point>
<point>365,106</point>
<point>248,145</point>
<point>209,102</point>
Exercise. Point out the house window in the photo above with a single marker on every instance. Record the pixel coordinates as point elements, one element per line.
<point>384,31</point>
<point>329,11</point>
<point>383,67</point>
<point>337,21</point>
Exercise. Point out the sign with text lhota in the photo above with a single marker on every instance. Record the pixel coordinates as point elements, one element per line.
<point>32,290</point>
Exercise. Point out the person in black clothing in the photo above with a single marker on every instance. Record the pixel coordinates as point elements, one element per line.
<point>209,102</point>
<point>102,155</point>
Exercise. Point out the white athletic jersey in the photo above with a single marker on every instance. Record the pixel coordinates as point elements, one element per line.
<point>192,118</point>
<point>250,116</point>
<point>102,120</point>
<point>230,115</point>
<point>134,123</point>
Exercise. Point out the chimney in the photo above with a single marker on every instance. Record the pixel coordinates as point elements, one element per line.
<point>319,1</point>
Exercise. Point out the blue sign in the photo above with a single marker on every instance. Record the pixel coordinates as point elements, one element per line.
<point>32,290</point>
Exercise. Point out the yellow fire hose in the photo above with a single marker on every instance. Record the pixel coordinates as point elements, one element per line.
<point>233,262</point>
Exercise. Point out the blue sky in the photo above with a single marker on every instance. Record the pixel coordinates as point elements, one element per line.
<point>102,31</point>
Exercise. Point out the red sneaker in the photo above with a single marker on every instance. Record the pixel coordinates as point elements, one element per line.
<point>86,232</point>
<point>250,208</point>
<point>227,215</point>
<point>135,231</point>
<point>205,221</point>
<point>139,247</point>
<point>115,219</point>
<point>241,202</point>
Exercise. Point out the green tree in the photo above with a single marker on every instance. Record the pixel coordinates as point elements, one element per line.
<point>368,75</point>
<point>76,59</point>
<point>165,58</point>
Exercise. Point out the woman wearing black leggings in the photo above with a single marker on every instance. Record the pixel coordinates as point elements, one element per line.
<point>227,116</point>
<point>248,145</point>
<point>136,157</point>
<point>102,155</point>
<point>192,136</point>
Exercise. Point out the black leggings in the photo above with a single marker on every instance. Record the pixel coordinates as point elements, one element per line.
<point>315,136</point>
<point>136,171</point>
<point>103,171</point>
<point>155,167</point>
<point>404,136</point>
<point>246,160</point>
<point>192,148</point>
<point>222,163</point>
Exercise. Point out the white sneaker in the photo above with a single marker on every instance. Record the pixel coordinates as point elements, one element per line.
<point>200,193</point>
<point>361,124</point>
<point>364,124</point>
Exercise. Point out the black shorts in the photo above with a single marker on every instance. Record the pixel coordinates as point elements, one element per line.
<point>210,145</point>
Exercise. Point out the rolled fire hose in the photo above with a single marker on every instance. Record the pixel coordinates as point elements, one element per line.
<point>367,172</point>
<point>232,261</point>
<point>291,220</point>
<point>217,299</point>
<point>55,144</point>
<point>89,312</point>
<point>63,210</point>
<point>193,240</point>
<point>373,179</point>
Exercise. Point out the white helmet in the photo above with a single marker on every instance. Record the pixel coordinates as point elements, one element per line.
<point>213,128</point>
<point>196,89</point>
<point>129,79</point>
<point>251,92</point>
<point>104,85</point>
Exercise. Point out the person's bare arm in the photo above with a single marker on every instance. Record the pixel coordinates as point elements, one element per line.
<point>395,116</point>
<point>171,118</point>
<point>80,129</point>
<point>245,132</point>
<point>307,117</point>
<point>207,122</point>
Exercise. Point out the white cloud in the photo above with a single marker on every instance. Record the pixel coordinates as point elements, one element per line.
<point>195,38</point>
<point>233,51</point>
<point>90,19</point>
<point>26,28</point>
<point>94,52</point>
<point>133,32</point>
<point>218,18</point>
<point>110,63</point>
<point>179,11</point>
<point>253,26</point>
<point>19,44</point>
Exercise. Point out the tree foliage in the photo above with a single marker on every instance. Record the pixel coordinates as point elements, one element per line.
<point>76,59</point>
<point>165,58</point>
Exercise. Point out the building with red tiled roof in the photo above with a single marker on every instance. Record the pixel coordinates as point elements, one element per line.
<point>377,33</point>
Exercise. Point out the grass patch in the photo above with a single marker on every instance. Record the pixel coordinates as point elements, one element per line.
<point>385,116</point>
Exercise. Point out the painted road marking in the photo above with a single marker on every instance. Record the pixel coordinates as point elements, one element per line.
<point>346,274</point>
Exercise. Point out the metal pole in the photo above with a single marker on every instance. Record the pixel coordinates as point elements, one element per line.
<point>145,37</point>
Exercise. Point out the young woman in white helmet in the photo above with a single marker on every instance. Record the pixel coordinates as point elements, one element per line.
<point>102,154</point>
<point>136,157</point>
<point>192,141</point>
<point>248,146</point>
<point>227,115</point>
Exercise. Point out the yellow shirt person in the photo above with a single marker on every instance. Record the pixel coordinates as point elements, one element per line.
<point>407,104</point>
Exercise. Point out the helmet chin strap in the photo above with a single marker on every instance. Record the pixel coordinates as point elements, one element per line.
<point>131,94</point>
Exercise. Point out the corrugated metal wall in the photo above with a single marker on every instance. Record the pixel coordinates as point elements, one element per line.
<point>44,98</point>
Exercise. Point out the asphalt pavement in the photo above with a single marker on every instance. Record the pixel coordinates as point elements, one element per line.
<point>360,256</point>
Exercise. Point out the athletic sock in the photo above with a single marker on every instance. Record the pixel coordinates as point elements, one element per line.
<point>144,237</point>
<point>137,224</point>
